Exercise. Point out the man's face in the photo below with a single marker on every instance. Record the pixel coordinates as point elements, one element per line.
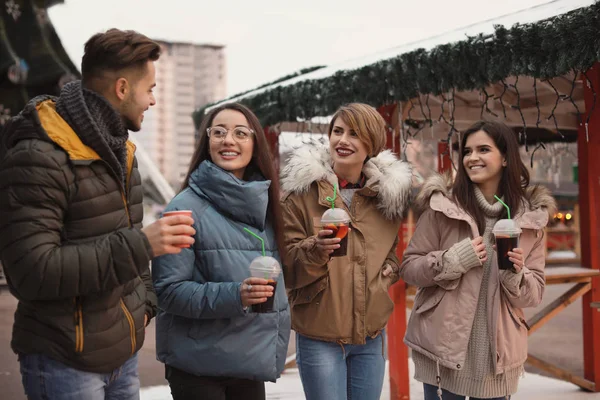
<point>139,98</point>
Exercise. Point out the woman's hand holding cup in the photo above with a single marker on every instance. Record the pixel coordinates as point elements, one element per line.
<point>255,291</point>
<point>326,244</point>
<point>479,248</point>
<point>516,257</point>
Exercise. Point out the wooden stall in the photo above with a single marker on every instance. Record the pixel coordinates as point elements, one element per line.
<point>536,70</point>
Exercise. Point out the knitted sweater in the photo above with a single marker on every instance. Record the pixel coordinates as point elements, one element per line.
<point>477,378</point>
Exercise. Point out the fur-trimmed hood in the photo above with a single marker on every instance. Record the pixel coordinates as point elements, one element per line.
<point>436,194</point>
<point>389,177</point>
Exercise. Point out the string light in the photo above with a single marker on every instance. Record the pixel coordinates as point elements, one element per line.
<point>552,113</point>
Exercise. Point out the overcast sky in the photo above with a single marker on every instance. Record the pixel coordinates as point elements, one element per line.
<point>266,39</point>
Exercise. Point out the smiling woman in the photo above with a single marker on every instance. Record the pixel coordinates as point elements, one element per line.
<point>452,259</point>
<point>341,304</point>
<point>205,293</point>
<point>232,152</point>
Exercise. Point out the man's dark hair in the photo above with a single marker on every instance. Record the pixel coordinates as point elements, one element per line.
<point>114,51</point>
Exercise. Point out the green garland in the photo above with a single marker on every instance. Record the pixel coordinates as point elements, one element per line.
<point>197,115</point>
<point>545,49</point>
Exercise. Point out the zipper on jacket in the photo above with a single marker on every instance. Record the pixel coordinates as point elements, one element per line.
<point>128,315</point>
<point>78,314</point>
<point>78,326</point>
<point>124,197</point>
<point>131,325</point>
<point>122,189</point>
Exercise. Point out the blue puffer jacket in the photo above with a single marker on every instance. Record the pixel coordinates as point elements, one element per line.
<point>201,327</point>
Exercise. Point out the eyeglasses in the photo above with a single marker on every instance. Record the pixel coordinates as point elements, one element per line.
<point>218,134</point>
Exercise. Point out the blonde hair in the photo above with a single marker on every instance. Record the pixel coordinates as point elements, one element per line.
<point>368,124</point>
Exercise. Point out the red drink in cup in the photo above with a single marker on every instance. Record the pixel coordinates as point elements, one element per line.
<point>187,213</point>
<point>266,268</point>
<point>507,233</point>
<point>338,221</point>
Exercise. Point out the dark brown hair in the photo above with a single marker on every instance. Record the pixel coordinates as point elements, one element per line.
<point>114,51</point>
<point>515,176</point>
<point>262,162</point>
<point>368,124</point>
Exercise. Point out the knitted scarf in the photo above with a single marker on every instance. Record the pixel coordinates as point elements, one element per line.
<point>97,124</point>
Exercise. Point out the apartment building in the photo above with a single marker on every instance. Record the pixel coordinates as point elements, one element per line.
<point>188,76</point>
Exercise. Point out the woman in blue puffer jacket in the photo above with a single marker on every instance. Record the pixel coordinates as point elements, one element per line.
<point>212,343</point>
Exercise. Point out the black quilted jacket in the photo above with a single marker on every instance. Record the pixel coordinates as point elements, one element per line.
<point>71,245</point>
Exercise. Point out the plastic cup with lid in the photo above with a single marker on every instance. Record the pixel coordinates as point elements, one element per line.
<point>507,233</point>
<point>337,220</point>
<point>268,268</point>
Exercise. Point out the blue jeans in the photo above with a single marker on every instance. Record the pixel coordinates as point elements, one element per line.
<point>430,393</point>
<point>45,378</point>
<point>341,372</point>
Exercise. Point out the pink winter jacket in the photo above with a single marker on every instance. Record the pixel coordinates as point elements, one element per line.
<point>442,316</point>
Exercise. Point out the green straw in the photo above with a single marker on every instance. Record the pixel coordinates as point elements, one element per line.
<point>259,238</point>
<point>332,200</point>
<point>504,204</point>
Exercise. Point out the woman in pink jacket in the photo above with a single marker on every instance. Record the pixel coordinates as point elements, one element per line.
<point>467,329</point>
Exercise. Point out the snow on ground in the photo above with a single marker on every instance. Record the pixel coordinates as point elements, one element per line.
<point>289,387</point>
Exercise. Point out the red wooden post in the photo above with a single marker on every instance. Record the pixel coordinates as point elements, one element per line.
<point>444,161</point>
<point>589,203</point>
<point>397,350</point>
<point>273,140</point>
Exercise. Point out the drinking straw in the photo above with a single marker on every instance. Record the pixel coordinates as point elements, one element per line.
<point>332,200</point>
<point>504,204</point>
<point>259,238</point>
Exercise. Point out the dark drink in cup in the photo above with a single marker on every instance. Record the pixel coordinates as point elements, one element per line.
<point>266,268</point>
<point>340,231</point>
<point>507,233</point>
<point>504,244</point>
<point>338,221</point>
<point>267,306</point>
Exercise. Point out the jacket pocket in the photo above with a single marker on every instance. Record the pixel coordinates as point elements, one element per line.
<point>308,293</point>
<point>78,313</point>
<point>516,316</point>
<point>428,298</point>
<point>131,323</point>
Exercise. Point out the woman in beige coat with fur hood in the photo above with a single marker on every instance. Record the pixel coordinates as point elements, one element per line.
<point>467,329</point>
<point>340,305</point>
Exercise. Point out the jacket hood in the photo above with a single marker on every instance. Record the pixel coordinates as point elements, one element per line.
<point>25,125</point>
<point>245,201</point>
<point>389,177</point>
<point>436,194</point>
<point>40,120</point>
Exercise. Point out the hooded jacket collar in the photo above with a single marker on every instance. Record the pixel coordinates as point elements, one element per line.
<point>244,201</point>
<point>436,194</point>
<point>386,177</point>
<point>39,120</point>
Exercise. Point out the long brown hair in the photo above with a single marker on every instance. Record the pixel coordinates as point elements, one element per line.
<point>261,162</point>
<point>515,176</point>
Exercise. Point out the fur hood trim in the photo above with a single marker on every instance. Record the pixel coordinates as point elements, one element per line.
<point>539,196</point>
<point>386,175</point>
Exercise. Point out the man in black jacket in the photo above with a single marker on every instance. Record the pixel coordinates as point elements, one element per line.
<point>71,242</point>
